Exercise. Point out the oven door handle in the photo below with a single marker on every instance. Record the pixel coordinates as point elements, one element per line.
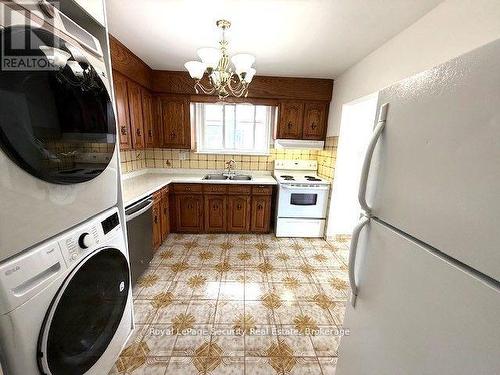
<point>325,187</point>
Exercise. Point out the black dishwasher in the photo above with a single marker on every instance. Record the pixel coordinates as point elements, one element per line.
<point>140,236</point>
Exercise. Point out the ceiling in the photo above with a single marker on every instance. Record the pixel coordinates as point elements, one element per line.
<point>297,38</point>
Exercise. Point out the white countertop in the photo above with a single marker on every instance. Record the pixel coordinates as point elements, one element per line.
<point>140,184</point>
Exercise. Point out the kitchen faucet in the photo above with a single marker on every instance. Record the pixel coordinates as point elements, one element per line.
<point>230,166</point>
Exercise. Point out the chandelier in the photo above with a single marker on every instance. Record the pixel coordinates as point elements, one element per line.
<point>222,80</point>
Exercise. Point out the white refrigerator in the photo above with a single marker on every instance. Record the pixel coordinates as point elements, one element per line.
<point>425,257</point>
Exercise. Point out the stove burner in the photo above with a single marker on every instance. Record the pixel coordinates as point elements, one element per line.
<point>287,178</point>
<point>312,178</point>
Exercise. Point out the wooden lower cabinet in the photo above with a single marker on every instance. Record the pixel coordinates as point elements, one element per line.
<point>238,213</point>
<point>220,208</point>
<point>215,213</point>
<point>261,213</point>
<point>189,213</point>
<point>165,214</point>
<point>156,221</point>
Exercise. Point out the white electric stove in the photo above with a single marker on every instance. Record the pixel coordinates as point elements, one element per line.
<point>302,199</point>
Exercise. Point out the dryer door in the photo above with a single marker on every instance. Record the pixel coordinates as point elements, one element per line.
<point>85,314</point>
<point>56,116</point>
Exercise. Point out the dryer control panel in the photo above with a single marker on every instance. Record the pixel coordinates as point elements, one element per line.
<point>83,240</point>
<point>28,273</point>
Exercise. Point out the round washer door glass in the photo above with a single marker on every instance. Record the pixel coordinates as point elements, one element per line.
<point>86,314</point>
<point>56,116</point>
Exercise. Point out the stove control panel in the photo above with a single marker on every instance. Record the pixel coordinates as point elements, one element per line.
<point>296,165</point>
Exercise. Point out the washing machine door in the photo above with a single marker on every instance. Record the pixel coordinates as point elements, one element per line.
<point>85,314</point>
<point>56,116</point>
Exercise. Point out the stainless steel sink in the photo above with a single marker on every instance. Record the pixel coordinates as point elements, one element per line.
<point>215,177</point>
<point>221,177</point>
<point>241,177</point>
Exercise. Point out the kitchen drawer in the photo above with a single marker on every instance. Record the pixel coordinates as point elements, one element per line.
<point>239,189</point>
<point>188,188</point>
<point>262,189</point>
<point>215,189</point>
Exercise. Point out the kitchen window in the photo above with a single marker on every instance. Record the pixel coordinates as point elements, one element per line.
<point>227,128</point>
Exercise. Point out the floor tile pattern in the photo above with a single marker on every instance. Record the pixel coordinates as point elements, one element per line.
<point>238,304</point>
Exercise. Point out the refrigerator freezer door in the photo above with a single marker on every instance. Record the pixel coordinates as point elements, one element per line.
<point>417,314</point>
<point>435,173</point>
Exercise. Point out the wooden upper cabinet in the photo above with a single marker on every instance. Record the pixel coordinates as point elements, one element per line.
<point>136,119</point>
<point>315,115</point>
<point>147,116</point>
<point>122,113</point>
<point>215,213</point>
<point>291,115</point>
<point>175,122</point>
<point>157,121</point>
<point>189,213</point>
<point>238,213</point>
<point>261,213</point>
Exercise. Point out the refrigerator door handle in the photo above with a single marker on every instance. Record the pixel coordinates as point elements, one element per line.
<point>365,171</point>
<point>352,257</point>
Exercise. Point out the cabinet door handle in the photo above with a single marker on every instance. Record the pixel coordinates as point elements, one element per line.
<point>313,125</point>
<point>150,133</point>
<point>259,207</point>
<point>138,132</point>
<point>238,207</point>
<point>289,125</point>
<point>172,135</point>
<point>156,219</point>
<point>123,130</point>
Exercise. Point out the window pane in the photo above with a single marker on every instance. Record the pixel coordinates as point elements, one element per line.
<point>246,112</point>
<point>233,128</point>
<point>244,134</point>
<point>261,129</point>
<point>213,112</point>
<point>213,127</point>
<point>229,125</point>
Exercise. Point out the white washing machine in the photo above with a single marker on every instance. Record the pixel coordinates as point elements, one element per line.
<point>58,154</point>
<point>66,305</point>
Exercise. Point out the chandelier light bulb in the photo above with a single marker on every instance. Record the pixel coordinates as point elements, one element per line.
<point>196,69</point>
<point>249,75</point>
<point>210,56</point>
<point>243,62</point>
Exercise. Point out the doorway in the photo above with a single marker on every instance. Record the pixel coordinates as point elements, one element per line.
<point>356,128</point>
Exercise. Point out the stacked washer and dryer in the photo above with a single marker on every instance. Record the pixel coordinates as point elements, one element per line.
<point>65,293</point>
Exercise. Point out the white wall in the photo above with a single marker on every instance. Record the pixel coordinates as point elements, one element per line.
<point>449,30</point>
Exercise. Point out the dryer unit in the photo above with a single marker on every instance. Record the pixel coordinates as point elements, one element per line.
<point>58,154</point>
<point>66,305</point>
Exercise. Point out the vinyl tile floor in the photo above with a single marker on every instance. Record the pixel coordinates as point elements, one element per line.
<point>239,304</point>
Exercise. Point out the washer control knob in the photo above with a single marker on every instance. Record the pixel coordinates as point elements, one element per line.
<point>74,256</point>
<point>85,241</point>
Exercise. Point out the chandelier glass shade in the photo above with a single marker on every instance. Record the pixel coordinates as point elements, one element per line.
<point>223,79</point>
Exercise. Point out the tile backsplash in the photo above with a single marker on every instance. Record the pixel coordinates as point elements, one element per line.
<point>188,159</point>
